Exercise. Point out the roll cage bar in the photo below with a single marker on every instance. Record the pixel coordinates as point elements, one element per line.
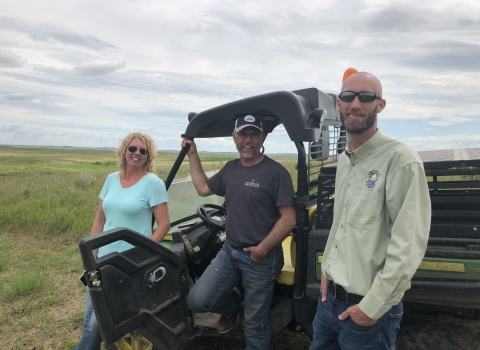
<point>304,114</point>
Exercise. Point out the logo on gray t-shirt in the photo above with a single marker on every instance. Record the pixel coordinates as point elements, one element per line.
<point>252,183</point>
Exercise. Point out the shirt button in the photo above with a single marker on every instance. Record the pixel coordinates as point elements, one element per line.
<point>345,205</point>
<point>348,184</point>
<point>341,226</point>
<point>328,265</point>
<point>336,246</point>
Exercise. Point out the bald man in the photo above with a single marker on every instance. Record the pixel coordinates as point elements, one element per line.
<point>379,232</point>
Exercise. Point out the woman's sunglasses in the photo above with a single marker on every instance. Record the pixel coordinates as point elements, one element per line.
<point>133,149</point>
<point>363,96</point>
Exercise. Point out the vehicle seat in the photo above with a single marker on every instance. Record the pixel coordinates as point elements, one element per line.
<point>287,276</point>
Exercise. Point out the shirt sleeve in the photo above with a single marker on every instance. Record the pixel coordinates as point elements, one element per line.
<point>409,210</point>
<point>106,186</point>
<point>283,188</point>
<point>158,192</point>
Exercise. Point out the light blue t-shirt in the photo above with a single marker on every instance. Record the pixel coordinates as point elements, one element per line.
<point>130,207</point>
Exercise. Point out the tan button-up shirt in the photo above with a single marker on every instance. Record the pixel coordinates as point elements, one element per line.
<point>381,222</point>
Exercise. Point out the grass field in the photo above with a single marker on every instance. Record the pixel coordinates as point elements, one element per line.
<point>48,201</point>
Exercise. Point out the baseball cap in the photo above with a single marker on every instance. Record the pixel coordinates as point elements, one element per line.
<point>248,120</point>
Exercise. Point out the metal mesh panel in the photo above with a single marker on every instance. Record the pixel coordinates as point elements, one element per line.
<point>325,152</point>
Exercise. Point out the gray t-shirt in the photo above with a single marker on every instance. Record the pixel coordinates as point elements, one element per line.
<point>253,195</point>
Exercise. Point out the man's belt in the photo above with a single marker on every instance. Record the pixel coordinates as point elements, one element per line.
<point>341,294</point>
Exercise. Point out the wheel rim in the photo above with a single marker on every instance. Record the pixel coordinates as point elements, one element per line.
<point>134,341</point>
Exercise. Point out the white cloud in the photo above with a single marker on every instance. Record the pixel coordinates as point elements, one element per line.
<point>98,68</point>
<point>9,59</point>
<point>94,73</point>
<point>444,142</point>
<point>450,120</point>
<point>19,96</point>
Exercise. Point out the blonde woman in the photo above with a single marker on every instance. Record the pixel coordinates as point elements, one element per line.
<point>128,199</point>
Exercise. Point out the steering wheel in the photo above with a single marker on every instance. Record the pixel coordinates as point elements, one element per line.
<point>209,218</point>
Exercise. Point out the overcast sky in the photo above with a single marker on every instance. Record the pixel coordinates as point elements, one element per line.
<point>85,73</point>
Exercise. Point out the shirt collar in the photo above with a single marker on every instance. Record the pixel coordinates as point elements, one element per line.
<point>362,152</point>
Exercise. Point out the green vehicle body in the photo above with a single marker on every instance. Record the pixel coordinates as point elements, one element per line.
<point>435,269</point>
<point>449,274</point>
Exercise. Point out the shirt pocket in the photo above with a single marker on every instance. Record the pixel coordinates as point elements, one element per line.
<point>365,208</point>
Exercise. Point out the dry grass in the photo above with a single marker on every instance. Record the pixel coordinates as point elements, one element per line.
<point>49,318</point>
<point>49,197</point>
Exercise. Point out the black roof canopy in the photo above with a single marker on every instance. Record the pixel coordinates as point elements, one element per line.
<point>301,112</point>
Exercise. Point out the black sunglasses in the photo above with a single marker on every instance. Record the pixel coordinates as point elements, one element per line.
<point>363,96</point>
<point>133,149</point>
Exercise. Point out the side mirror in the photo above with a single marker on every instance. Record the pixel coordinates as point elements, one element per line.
<point>317,116</point>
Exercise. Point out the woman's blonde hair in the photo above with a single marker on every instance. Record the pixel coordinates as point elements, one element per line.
<point>151,152</point>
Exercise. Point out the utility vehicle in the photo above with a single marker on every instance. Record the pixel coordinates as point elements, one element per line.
<point>139,296</point>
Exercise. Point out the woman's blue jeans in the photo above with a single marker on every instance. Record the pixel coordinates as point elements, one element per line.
<point>331,333</point>
<point>91,338</point>
<point>215,290</point>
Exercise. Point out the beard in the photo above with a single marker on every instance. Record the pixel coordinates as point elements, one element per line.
<point>358,126</point>
<point>246,154</point>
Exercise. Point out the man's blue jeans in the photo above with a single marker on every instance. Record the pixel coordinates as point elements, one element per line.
<point>91,338</point>
<point>331,333</point>
<point>215,290</point>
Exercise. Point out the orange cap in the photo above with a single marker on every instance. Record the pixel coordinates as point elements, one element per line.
<point>349,72</point>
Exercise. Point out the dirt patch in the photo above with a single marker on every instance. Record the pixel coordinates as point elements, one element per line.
<point>287,340</point>
<point>438,333</point>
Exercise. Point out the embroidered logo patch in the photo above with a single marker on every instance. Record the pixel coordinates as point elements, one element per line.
<point>249,118</point>
<point>372,178</point>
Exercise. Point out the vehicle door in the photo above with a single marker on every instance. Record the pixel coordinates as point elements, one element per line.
<point>142,289</point>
